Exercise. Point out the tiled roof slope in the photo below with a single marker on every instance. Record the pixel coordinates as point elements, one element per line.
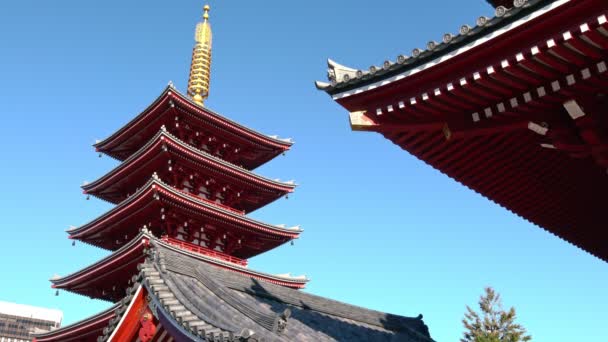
<point>343,78</point>
<point>234,307</point>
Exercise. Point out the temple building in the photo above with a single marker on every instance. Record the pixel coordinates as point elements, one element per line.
<point>179,236</point>
<point>511,107</point>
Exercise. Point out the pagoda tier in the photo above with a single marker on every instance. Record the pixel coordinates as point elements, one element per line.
<point>197,126</point>
<point>189,169</point>
<point>108,278</point>
<point>512,108</point>
<point>167,211</point>
<point>87,330</point>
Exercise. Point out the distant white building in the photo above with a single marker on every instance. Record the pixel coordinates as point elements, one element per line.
<point>18,322</point>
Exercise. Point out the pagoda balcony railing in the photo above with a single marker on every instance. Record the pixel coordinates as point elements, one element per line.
<point>203,199</point>
<point>203,250</point>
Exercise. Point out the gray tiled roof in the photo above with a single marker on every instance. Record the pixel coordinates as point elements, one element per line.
<point>206,302</point>
<point>343,78</point>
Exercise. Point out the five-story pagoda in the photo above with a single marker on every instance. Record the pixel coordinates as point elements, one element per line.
<point>180,237</point>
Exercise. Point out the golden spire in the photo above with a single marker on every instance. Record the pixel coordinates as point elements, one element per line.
<point>200,69</point>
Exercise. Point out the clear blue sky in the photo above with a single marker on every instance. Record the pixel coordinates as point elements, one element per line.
<point>382,229</point>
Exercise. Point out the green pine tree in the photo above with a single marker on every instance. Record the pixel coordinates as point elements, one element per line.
<point>493,324</point>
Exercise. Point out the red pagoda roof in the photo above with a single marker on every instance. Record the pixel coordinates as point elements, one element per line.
<point>157,204</point>
<point>86,330</point>
<point>108,278</point>
<point>511,108</point>
<point>165,154</point>
<point>188,120</point>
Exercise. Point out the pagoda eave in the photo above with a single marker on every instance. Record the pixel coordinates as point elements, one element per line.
<point>177,162</point>
<point>176,112</point>
<point>156,202</point>
<point>107,278</point>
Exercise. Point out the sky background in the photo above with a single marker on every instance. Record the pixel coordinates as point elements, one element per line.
<point>382,229</point>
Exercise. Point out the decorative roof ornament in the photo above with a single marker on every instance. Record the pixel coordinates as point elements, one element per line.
<point>482,21</point>
<point>339,73</point>
<point>519,3</point>
<point>500,11</point>
<point>200,69</point>
<point>401,59</point>
<point>465,29</point>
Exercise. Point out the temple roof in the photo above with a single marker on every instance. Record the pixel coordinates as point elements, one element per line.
<point>515,115</point>
<point>151,198</point>
<point>344,79</point>
<point>198,302</point>
<point>168,108</point>
<point>114,185</point>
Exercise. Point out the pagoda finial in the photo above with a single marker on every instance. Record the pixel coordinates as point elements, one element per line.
<point>206,8</point>
<point>200,69</point>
